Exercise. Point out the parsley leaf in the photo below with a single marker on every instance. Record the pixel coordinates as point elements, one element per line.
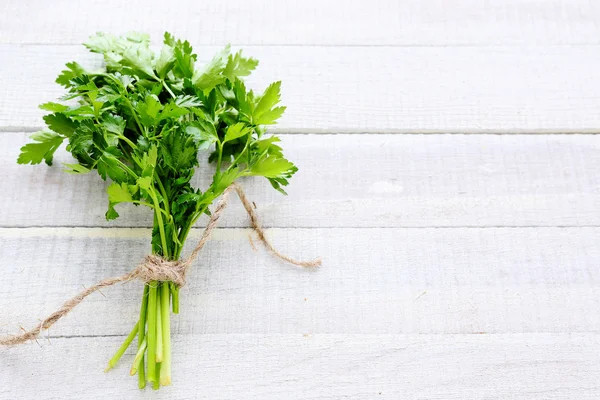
<point>265,112</point>
<point>46,143</point>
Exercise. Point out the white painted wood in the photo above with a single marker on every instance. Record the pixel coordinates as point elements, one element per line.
<point>383,23</point>
<point>520,367</point>
<point>373,281</point>
<point>357,181</point>
<point>373,89</point>
<point>456,266</point>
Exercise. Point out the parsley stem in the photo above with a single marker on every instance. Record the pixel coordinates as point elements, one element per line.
<point>165,368</point>
<point>142,342</point>
<point>159,220</point>
<point>220,147</point>
<point>167,87</point>
<point>163,192</point>
<point>159,331</point>
<point>175,296</point>
<point>113,361</point>
<point>138,361</point>
<point>152,331</point>
<point>129,142</point>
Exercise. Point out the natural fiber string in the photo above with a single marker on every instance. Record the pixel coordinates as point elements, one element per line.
<point>156,268</point>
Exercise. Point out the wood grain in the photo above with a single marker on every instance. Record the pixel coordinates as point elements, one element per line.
<point>357,181</point>
<point>373,89</point>
<point>508,366</point>
<point>309,22</point>
<point>373,281</point>
<point>455,266</point>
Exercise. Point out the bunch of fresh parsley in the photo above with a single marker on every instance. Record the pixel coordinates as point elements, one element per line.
<point>140,122</point>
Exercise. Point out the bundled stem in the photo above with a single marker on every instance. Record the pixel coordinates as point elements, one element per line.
<point>160,276</point>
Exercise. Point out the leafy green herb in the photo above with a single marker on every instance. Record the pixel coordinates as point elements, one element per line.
<point>140,122</point>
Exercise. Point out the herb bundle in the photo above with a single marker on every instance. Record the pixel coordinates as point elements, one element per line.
<point>140,123</point>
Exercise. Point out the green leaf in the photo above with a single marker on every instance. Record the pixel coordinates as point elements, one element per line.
<point>76,169</point>
<point>211,75</point>
<point>236,131</point>
<point>268,146</point>
<point>109,164</point>
<point>203,132</point>
<point>244,106</point>
<point>81,143</point>
<point>44,147</point>
<point>79,113</point>
<point>184,59</point>
<point>141,119</point>
<point>114,124</point>
<point>149,109</point>
<point>223,180</point>
<point>270,117</point>
<point>188,101</point>
<point>53,107</point>
<point>145,182</point>
<point>139,58</point>
<point>165,61</point>
<point>66,76</point>
<point>172,111</point>
<point>60,123</point>
<point>272,167</point>
<point>238,66</point>
<point>105,43</point>
<point>119,193</point>
<point>147,162</point>
<point>264,113</point>
<point>179,150</point>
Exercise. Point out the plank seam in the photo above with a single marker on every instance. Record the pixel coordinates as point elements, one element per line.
<point>415,132</point>
<point>434,334</point>
<point>147,227</point>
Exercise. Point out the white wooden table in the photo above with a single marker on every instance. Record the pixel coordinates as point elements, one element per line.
<point>449,176</point>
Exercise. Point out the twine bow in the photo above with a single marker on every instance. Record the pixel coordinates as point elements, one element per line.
<point>155,268</point>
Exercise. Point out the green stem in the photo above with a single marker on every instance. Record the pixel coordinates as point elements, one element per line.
<point>138,360</point>
<point>159,220</point>
<point>152,331</point>
<point>142,338</point>
<point>168,90</point>
<point>220,148</point>
<point>165,369</point>
<point>163,192</point>
<point>175,296</point>
<point>186,230</point>
<point>159,331</point>
<point>129,142</point>
<point>113,361</point>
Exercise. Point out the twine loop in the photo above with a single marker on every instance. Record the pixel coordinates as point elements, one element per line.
<point>156,268</point>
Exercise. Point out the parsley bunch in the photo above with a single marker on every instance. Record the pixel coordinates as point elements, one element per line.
<point>140,122</point>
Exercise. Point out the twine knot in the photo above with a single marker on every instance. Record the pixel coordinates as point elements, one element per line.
<point>156,268</point>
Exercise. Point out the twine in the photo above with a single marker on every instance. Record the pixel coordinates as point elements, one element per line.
<point>155,268</point>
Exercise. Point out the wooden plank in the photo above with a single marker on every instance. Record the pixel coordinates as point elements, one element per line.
<point>520,367</point>
<point>374,89</point>
<point>384,23</point>
<point>358,181</point>
<point>463,280</point>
